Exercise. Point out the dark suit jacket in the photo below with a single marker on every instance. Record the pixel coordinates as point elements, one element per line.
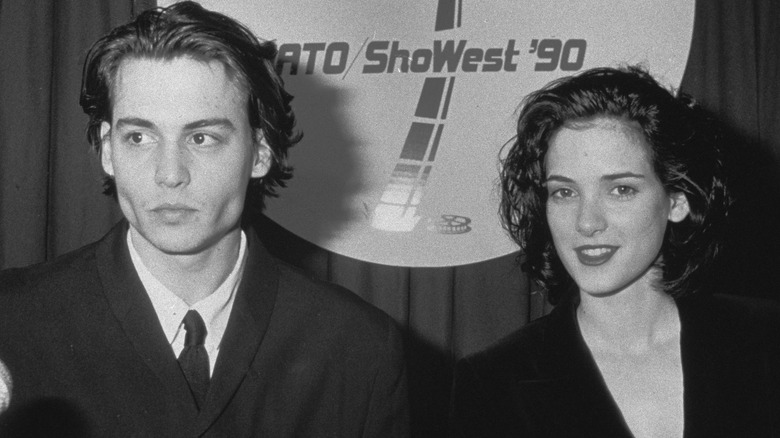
<point>543,382</point>
<point>299,357</point>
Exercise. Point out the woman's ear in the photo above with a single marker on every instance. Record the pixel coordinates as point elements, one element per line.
<point>105,148</point>
<point>262,157</point>
<point>679,207</point>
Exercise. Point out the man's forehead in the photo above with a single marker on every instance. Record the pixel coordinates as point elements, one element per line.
<point>183,84</point>
<point>179,67</point>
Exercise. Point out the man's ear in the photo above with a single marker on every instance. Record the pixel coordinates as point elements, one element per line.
<point>262,156</point>
<point>105,148</point>
<point>679,207</point>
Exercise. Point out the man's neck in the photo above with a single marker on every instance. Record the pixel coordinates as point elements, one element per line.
<point>191,277</point>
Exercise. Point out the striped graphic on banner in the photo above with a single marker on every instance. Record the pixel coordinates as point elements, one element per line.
<point>397,208</point>
<point>448,14</point>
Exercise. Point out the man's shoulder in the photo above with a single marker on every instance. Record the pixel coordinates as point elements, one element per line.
<point>73,271</point>
<point>328,324</point>
<point>35,299</point>
<point>69,268</point>
<point>325,301</point>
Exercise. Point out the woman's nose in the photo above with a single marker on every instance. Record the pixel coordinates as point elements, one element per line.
<point>590,217</point>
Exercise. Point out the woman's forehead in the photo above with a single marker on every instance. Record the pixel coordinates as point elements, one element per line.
<point>598,145</point>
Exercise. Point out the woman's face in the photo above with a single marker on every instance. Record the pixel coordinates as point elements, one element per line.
<point>607,209</point>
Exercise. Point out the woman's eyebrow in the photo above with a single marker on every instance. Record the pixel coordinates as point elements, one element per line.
<point>615,176</point>
<point>558,178</point>
<point>609,177</point>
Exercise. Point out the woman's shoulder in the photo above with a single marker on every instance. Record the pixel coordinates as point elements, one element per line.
<point>732,322</point>
<point>525,353</point>
<point>486,384</point>
<point>728,308</point>
<point>526,339</point>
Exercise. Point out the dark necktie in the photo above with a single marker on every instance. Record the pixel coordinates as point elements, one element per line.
<point>194,360</point>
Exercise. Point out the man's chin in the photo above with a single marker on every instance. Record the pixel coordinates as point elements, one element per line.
<point>183,239</point>
<point>179,246</point>
<point>171,240</point>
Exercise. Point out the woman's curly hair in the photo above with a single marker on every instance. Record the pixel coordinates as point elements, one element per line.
<point>685,155</point>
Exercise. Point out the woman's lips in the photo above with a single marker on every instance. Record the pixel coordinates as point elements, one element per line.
<point>594,255</point>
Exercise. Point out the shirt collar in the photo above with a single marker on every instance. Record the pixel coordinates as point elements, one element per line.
<point>170,309</point>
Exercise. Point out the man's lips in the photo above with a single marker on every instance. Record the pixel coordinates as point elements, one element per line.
<point>594,255</point>
<point>172,212</point>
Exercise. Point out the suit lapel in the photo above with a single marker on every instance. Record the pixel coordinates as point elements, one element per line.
<point>249,319</point>
<point>576,390</point>
<point>571,386</point>
<point>700,349</point>
<point>134,311</point>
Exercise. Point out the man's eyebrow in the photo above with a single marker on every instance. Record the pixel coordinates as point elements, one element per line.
<point>210,123</point>
<point>143,123</point>
<point>134,121</point>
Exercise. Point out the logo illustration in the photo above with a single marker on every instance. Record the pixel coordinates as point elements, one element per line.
<point>405,106</point>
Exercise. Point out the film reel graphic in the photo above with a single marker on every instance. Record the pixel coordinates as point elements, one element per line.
<point>397,207</point>
<point>387,133</point>
<point>450,224</point>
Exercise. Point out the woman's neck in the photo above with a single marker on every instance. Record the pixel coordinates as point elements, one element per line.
<point>637,319</point>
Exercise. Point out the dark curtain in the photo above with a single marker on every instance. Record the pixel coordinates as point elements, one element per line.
<point>50,190</point>
<point>734,71</point>
<point>50,199</point>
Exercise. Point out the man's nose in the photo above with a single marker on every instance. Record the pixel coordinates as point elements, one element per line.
<point>172,166</point>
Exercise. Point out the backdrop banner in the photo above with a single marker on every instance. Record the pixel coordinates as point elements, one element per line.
<point>405,107</point>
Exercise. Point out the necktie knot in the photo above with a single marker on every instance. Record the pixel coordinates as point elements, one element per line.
<point>196,329</point>
<point>194,360</point>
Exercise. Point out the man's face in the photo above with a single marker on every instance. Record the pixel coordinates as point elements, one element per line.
<point>182,151</point>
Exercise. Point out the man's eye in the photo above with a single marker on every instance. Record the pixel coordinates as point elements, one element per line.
<point>138,138</point>
<point>202,139</point>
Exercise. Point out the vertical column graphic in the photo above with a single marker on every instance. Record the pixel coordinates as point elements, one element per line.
<point>397,207</point>
<point>448,14</point>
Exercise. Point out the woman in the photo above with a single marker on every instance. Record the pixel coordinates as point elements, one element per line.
<point>613,189</point>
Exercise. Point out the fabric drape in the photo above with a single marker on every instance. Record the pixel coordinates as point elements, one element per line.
<point>50,184</point>
<point>734,71</point>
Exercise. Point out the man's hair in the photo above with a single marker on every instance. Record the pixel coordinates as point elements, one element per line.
<point>188,30</point>
<point>684,153</point>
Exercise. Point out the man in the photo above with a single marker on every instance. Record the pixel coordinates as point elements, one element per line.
<point>177,322</point>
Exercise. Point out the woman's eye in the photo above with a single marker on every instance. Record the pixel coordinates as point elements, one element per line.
<point>562,193</point>
<point>624,191</point>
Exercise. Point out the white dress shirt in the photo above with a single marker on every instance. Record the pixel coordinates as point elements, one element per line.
<point>214,309</point>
